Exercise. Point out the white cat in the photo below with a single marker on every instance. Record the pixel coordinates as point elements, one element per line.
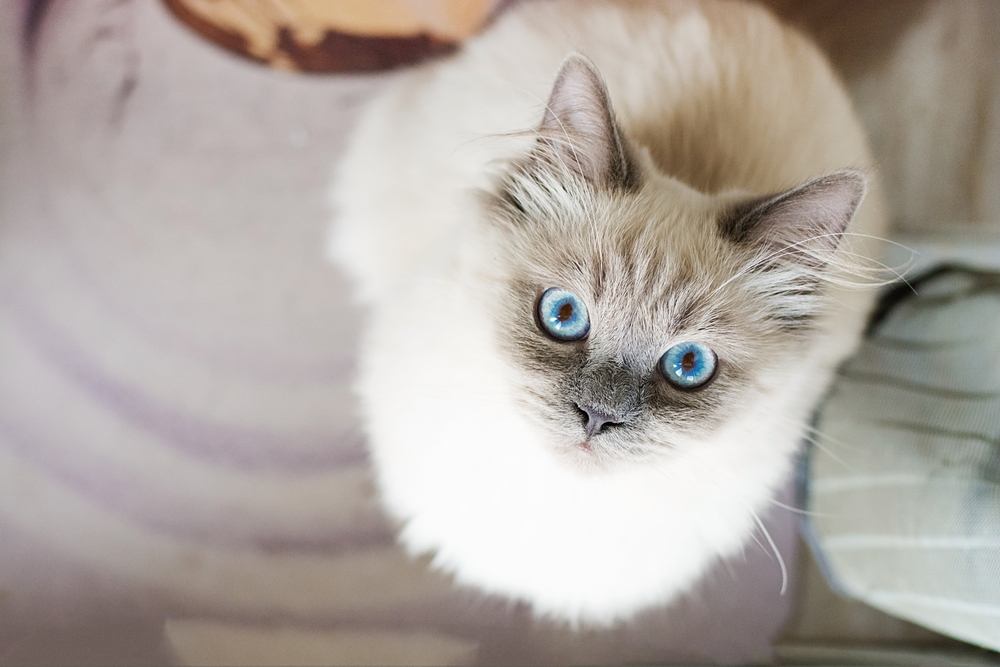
<point>599,324</point>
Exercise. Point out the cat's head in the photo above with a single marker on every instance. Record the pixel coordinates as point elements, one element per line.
<point>641,314</point>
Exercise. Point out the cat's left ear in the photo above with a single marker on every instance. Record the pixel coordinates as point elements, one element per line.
<point>805,223</point>
<point>579,131</point>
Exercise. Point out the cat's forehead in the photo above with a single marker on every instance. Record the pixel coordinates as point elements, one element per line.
<point>636,286</point>
<point>630,250</point>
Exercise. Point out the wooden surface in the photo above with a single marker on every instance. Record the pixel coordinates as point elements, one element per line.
<point>341,36</point>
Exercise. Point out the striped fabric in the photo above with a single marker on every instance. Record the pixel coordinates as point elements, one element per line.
<point>904,471</point>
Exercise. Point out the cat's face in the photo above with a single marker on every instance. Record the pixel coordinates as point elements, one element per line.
<point>639,314</point>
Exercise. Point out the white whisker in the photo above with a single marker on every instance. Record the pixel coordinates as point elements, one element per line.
<point>794,510</point>
<point>774,548</point>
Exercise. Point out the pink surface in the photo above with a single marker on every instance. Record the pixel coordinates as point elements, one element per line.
<point>177,435</point>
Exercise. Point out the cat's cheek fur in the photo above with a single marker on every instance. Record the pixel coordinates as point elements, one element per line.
<point>473,476</point>
<point>474,483</point>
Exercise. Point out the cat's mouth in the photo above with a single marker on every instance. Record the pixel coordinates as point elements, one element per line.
<point>584,457</point>
<point>570,440</point>
<point>599,452</point>
<point>622,446</point>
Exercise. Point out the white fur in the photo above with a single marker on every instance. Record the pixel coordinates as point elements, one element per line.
<point>458,463</point>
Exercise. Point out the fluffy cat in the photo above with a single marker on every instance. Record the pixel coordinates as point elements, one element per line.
<point>599,323</point>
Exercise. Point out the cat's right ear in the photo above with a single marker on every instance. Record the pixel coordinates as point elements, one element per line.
<point>579,132</point>
<point>804,224</point>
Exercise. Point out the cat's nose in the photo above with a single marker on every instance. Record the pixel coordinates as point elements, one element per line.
<point>597,419</point>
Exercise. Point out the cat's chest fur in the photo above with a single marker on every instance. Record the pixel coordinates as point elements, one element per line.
<point>474,484</point>
<point>709,98</point>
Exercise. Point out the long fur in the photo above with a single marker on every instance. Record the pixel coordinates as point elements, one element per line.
<point>463,194</point>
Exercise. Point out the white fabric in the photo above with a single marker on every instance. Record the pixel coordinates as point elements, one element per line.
<point>904,471</point>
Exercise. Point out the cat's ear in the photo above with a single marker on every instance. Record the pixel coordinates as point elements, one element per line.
<point>806,222</point>
<point>579,131</point>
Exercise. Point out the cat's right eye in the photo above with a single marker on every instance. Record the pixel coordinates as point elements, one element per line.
<point>562,315</point>
<point>689,365</point>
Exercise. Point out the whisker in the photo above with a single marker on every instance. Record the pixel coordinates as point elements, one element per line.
<point>774,548</point>
<point>808,427</point>
<point>834,259</point>
<point>795,510</point>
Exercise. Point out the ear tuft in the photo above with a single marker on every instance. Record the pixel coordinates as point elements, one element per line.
<point>579,130</point>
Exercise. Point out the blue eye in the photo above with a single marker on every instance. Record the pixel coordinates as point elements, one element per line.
<point>689,365</point>
<point>562,315</point>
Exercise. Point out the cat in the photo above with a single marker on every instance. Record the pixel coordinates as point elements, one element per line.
<point>609,252</point>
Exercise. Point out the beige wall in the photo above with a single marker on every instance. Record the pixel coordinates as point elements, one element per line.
<point>926,78</point>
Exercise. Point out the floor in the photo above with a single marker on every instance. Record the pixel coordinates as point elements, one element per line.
<point>181,472</point>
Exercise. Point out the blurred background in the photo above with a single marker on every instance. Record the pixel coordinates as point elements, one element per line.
<point>182,479</point>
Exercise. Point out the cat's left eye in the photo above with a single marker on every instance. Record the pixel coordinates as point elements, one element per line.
<point>689,365</point>
<point>562,315</point>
